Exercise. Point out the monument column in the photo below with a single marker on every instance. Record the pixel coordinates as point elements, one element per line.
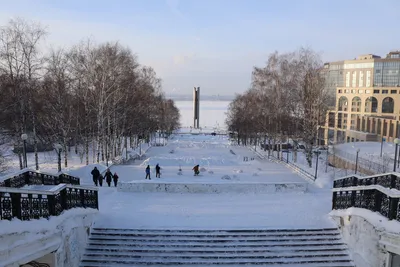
<point>196,107</point>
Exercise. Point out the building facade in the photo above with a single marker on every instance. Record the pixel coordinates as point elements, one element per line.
<point>367,102</point>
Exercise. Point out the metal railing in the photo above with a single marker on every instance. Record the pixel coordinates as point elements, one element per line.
<point>373,197</point>
<point>29,177</point>
<point>387,180</point>
<point>27,204</point>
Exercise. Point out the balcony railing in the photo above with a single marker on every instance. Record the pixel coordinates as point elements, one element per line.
<point>27,204</point>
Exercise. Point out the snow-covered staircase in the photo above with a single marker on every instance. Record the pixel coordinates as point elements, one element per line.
<point>289,247</point>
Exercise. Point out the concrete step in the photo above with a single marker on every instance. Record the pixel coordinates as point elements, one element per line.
<point>327,264</point>
<point>217,232</point>
<point>217,255</point>
<point>178,239</point>
<point>212,261</point>
<point>233,243</point>
<point>158,249</point>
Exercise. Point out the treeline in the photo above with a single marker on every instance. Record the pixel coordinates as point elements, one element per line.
<point>91,96</point>
<point>287,100</point>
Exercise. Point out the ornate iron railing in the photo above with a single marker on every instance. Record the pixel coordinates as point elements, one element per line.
<point>37,178</point>
<point>387,180</point>
<point>27,204</point>
<point>373,197</point>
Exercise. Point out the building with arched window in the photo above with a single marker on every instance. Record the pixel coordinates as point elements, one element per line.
<point>367,104</point>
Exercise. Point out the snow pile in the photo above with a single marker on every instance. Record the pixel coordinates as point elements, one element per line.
<point>203,169</point>
<point>179,173</point>
<point>255,174</point>
<point>238,171</point>
<point>210,172</point>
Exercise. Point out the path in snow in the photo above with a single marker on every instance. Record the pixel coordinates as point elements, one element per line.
<point>214,153</point>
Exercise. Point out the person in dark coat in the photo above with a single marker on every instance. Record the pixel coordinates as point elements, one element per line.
<point>148,172</point>
<point>108,177</point>
<point>101,177</point>
<point>95,173</point>
<point>196,170</point>
<point>115,178</point>
<point>158,168</point>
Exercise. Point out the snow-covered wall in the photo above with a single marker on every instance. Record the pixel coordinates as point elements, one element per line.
<point>63,236</point>
<point>212,187</point>
<point>368,235</point>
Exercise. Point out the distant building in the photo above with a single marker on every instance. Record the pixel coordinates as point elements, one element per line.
<point>367,99</point>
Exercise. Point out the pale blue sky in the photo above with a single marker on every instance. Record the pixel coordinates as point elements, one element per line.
<point>215,43</point>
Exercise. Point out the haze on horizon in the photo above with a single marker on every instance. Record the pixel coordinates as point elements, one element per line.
<point>214,44</point>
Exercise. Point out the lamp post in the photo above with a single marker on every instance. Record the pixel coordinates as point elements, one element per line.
<point>24,137</point>
<point>316,164</point>
<point>396,142</point>
<point>355,169</point>
<point>58,148</point>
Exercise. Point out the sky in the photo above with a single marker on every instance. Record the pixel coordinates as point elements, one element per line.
<point>215,44</point>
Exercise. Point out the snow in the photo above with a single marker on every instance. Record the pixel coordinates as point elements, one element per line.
<point>380,222</point>
<point>41,225</point>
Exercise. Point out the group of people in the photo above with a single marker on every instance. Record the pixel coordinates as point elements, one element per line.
<point>98,177</point>
<point>158,173</point>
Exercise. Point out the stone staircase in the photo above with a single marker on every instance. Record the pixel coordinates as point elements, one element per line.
<point>288,247</point>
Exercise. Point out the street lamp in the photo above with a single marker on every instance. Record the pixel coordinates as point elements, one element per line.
<point>316,164</point>
<point>355,169</point>
<point>396,141</point>
<point>24,137</point>
<point>58,148</point>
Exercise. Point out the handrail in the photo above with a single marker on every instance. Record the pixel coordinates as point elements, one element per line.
<point>53,191</point>
<point>388,180</point>
<point>366,177</point>
<point>393,193</point>
<point>29,177</point>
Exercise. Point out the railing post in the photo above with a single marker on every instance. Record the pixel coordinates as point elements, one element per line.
<point>96,194</point>
<point>393,204</point>
<point>63,199</point>
<point>353,198</point>
<point>378,200</point>
<point>393,180</point>
<point>82,197</point>
<point>354,181</point>
<point>16,205</point>
<point>334,197</point>
<point>27,177</point>
<point>7,182</point>
<point>52,204</point>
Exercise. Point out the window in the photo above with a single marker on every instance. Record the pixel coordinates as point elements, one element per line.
<point>368,82</point>
<point>376,91</point>
<point>354,79</point>
<point>385,91</point>
<point>393,91</point>
<point>378,71</point>
<point>348,79</point>
<point>367,91</point>
<point>346,91</point>
<point>360,91</point>
<point>353,91</point>
<point>340,91</point>
<point>361,79</point>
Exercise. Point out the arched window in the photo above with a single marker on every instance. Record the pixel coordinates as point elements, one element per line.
<point>387,105</point>
<point>371,105</point>
<point>343,103</point>
<point>356,104</point>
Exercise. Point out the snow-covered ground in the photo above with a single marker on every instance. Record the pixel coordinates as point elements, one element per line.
<point>214,153</point>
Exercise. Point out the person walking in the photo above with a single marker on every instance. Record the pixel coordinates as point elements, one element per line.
<point>101,178</point>
<point>108,176</point>
<point>158,168</point>
<point>95,173</point>
<point>148,172</point>
<point>115,178</point>
<point>196,170</point>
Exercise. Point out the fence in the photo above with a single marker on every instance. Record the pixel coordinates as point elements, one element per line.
<point>30,204</point>
<point>36,178</point>
<point>363,163</point>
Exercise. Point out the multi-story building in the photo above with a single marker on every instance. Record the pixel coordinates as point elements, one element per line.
<point>367,100</point>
